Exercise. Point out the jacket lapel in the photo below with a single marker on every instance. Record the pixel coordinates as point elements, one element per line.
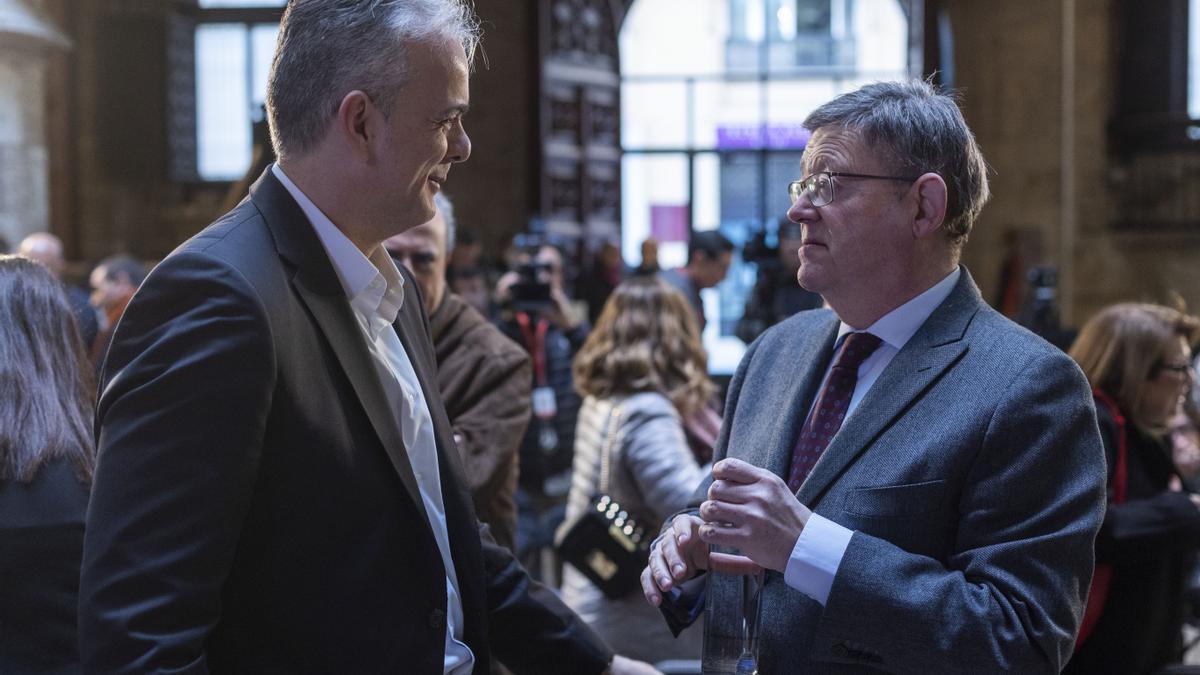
<point>935,347</point>
<point>317,285</point>
<point>809,363</point>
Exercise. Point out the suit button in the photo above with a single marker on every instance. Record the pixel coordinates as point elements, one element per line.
<point>840,651</point>
<point>437,619</point>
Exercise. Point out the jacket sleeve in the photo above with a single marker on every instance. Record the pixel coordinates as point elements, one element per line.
<point>1009,595</point>
<point>1144,528</point>
<point>180,425</point>
<point>491,414</point>
<point>655,453</point>
<point>531,630</point>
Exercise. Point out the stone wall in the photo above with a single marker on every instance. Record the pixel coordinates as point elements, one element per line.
<point>1071,196</point>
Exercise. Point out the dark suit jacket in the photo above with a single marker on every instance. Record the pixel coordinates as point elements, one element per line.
<point>41,541</point>
<point>254,509</point>
<point>972,475</point>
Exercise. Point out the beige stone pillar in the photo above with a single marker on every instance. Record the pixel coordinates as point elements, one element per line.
<point>27,38</point>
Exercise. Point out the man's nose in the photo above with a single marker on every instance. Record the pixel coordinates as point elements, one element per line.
<point>460,145</point>
<point>803,211</point>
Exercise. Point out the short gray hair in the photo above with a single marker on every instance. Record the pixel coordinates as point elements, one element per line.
<point>920,130</point>
<point>444,207</point>
<point>328,48</point>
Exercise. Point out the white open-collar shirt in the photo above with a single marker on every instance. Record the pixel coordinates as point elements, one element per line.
<point>375,291</point>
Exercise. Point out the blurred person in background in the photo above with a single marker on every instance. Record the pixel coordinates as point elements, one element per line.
<point>471,284</point>
<point>483,376</point>
<point>709,257</point>
<point>1137,357</point>
<point>649,262</point>
<point>642,371</point>
<point>48,250</point>
<point>608,268</point>
<point>537,314</point>
<point>776,294</point>
<point>46,462</point>
<point>114,281</point>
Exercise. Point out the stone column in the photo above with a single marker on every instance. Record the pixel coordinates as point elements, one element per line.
<point>27,38</point>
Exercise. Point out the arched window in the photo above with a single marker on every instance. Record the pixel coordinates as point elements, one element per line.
<point>713,93</point>
<point>234,44</point>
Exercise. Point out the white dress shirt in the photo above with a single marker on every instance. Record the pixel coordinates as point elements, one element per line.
<point>822,542</point>
<point>375,290</point>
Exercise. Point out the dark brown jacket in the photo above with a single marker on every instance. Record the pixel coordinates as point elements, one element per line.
<point>484,378</point>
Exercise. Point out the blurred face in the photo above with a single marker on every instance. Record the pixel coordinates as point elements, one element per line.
<point>706,272</point>
<point>108,293</point>
<point>475,291</point>
<point>858,245</point>
<point>790,238</point>
<point>423,251</point>
<point>423,135</point>
<point>553,275</point>
<point>1168,384</point>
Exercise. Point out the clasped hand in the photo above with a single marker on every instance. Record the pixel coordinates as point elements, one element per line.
<point>748,508</point>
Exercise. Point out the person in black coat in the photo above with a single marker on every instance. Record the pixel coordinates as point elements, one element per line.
<point>277,486</point>
<point>1138,361</point>
<point>46,460</point>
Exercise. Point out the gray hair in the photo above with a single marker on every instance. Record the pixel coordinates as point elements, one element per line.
<point>444,207</point>
<point>920,130</point>
<point>328,48</point>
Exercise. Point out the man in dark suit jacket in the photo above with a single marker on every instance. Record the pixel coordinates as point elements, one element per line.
<point>921,479</point>
<point>278,488</point>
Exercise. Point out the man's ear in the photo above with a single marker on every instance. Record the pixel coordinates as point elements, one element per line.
<point>931,194</point>
<point>354,122</point>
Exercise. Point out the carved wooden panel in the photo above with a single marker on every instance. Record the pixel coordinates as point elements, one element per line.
<point>579,110</point>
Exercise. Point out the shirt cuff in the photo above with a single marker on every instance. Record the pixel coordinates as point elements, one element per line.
<point>816,556</point>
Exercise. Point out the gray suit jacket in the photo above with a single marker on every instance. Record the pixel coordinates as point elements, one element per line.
<point>972,474</point>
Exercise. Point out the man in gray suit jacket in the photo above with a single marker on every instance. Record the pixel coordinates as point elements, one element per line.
<point>948,523</point>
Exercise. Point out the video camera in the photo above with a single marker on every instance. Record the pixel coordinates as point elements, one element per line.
<point>531,293</point>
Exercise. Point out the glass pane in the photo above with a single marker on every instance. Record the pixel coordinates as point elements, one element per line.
<point>654,202</point>
<point>653,115</point>
<point>879,34</point>
<point>706,203</point>
<point>728,115</point>
<point>694,45</point>
<point>789,102</point>
<point>782,168</point>
<point>262,46</point>
<point>223,122</point>
<point>205,4</point>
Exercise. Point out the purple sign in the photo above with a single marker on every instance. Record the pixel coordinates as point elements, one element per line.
<point>756,136</point>
<point>668,222</point>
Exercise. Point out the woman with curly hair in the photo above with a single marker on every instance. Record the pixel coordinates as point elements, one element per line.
<point>46,462</point>
<point>1137,358</point>
<point>641,371</point>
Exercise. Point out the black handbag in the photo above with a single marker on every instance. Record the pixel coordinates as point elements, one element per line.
<point>608,544</point>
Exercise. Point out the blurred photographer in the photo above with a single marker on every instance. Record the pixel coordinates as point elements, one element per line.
<point>776,294</point>
<point>537,313</point>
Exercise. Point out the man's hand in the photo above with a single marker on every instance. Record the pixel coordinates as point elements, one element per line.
<point>679,553</point>
<point>752,509</point>
<point>624,666</point>
<point>559,311</point>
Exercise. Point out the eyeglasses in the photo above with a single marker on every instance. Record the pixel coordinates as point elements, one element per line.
<point>819,186</point>
<point>1177,368</point>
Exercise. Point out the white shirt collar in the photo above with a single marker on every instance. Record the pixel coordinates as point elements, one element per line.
<point>898,326</point>
<point>373,285</point>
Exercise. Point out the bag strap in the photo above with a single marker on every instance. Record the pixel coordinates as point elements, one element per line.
<point>1121,472</point>
<point>606,445</point>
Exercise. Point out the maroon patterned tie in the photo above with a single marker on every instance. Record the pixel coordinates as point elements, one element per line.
<point>832,402</point>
